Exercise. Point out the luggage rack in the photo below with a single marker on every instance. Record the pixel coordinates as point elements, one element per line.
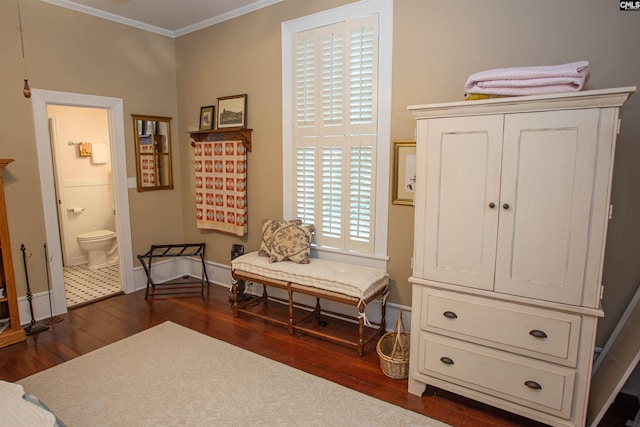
<point>173,287</point>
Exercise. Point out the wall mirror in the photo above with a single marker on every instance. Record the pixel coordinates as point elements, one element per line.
<point>152,136</point>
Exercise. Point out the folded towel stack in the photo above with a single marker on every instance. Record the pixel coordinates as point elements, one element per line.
<point>536,80</point>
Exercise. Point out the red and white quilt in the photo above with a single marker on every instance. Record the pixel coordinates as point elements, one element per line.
<point>221,186</point>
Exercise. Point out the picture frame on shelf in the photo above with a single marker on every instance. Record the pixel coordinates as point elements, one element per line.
<point>232,112</point>
<point>207,117</point>
<point>404,172</point>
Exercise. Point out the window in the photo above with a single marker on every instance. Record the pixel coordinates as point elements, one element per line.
<point>336,114</point>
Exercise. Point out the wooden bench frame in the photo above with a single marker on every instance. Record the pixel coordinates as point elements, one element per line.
<point>295,324</point>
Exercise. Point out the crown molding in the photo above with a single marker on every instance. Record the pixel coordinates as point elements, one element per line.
<point>225,17</point>
<point>158,30</point>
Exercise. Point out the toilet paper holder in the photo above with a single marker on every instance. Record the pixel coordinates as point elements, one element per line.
<point>75,210</point>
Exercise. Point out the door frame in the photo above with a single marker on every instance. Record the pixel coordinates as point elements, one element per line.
<point>40,99</point>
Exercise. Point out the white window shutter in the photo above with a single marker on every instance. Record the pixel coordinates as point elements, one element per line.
<point>305,177</point>
<point>331,224</point>
<point>363,75</point>
<point>361,193</point>
<point>335,131</point>
<point>305,74</point>
<point>332,69</point>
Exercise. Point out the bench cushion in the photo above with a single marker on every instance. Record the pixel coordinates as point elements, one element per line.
<point>347,279</point>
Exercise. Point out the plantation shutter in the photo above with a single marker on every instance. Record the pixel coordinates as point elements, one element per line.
<point>335,131</point>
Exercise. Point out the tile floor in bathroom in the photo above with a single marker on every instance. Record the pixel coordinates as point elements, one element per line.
<point>83,285</point>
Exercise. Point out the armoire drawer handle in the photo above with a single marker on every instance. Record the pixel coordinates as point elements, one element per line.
<point>537,333</point>
<point>533,385</point>
<point>450,315</point>
<point>446,360</point>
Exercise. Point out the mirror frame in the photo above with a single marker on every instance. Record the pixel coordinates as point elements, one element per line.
<point>157,155</point>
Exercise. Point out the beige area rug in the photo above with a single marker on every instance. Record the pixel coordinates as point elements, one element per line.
<point>172,375</point>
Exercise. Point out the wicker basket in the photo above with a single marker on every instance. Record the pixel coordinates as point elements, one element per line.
<point>393,349</point>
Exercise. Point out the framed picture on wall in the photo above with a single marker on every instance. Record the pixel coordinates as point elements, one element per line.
<point>207,117</point>
<point>404,172</point>
<point>232,112</point>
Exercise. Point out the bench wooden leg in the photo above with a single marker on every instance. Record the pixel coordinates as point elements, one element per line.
<point>290,291</point>
<point>383,312</point>
<point>360,339</point>
<point>318,311</point>
<point>361,308</point>
<point>234,291</point>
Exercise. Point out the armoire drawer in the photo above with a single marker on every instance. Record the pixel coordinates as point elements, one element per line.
<point>527,382</point>
<point>535,332</point>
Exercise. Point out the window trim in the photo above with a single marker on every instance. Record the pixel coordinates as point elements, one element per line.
<point>384,9</point>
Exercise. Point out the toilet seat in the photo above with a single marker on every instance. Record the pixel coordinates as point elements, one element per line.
<point>96,235</point>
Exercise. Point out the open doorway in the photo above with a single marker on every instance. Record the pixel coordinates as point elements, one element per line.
<point>45,102</point>
<point>86,208</point>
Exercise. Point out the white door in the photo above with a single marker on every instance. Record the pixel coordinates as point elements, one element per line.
<point>545,204</point>
<point>463,159</point>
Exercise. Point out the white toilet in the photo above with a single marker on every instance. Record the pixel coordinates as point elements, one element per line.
<point>100,247</point>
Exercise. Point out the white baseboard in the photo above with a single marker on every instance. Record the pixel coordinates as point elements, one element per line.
<point>40,302</point>
<point>219,275</point>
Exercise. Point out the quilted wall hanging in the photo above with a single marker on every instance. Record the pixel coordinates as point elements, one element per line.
<point>221,186</point>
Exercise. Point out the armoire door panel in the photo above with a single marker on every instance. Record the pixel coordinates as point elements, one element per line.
<point>463,180</point>
<point>547,182</point>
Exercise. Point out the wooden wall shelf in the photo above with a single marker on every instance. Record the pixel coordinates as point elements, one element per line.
<point>231,134</point>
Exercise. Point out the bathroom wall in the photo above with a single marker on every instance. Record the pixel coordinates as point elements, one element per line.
<point>84,184</point>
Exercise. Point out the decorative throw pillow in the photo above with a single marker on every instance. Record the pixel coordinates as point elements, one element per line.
<point>269,227</point>
<point>293,243</point>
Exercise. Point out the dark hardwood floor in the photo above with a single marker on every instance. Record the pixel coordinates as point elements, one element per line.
<point>90,327</point>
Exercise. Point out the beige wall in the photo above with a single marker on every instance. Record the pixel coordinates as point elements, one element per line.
<point>72,52</point>
<point>235,57</point>
<point>437,44</point>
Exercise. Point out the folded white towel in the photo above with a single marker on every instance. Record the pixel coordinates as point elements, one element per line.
<point>100,153</point>
<point>569,77</point>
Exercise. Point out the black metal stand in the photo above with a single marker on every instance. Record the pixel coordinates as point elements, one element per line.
<point>33,327</point>
<point>175,287</point>
<point>52,319</point>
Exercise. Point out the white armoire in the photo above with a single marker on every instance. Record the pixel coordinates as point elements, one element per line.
<point>511,213</point>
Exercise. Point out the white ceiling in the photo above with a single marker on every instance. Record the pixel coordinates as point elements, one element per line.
<point>171,18</point>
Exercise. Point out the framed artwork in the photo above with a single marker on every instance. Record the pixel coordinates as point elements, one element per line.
<point>206,117</point>
<point>404,172</point>
<point>232,112</point>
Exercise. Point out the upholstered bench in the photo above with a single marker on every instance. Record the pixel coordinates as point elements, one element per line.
<point>323,279</point>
